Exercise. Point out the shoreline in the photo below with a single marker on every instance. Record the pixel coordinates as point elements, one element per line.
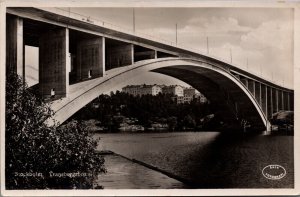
<point>151,167</point>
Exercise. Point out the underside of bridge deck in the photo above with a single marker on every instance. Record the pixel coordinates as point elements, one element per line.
<point>228,99</point>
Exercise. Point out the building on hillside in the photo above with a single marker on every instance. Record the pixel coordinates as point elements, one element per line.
<point>190,92</point>
<point>131,89</point>
<point>179,93</point>
<point>175,90</point>
<point>189,99</point>
<point>195,94</point>
<point>138,90</point>
<point>150,89</point>
<point>182,99</point>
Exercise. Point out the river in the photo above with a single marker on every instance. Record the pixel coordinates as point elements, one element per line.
<point>202,159</point>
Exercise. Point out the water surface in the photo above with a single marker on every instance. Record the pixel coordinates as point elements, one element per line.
<point>209,159</point>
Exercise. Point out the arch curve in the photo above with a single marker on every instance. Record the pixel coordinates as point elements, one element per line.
<point>224,91</point>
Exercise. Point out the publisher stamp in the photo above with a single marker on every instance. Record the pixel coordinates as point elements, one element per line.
<point>274,172</point>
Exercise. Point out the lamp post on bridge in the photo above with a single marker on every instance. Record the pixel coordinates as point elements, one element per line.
<point>260,70</point>
<point>230,55</point>
<point>176,32</point>
<point>272,77</point>
<point>207,46</point>
<point>133,20</point>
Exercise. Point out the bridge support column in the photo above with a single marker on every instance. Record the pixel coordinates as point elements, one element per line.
<point>90,58</point>
<point>277,100</point>
<point>288,102</point>
<point>245,81</point>
<point>103,56</point>
<point>251,87</point>
<point>279,94</point>
<point>291,101</point>
<point>264,95</point>
<point>15,48</point>
<point>132,53</point>
<point>282,100</point>
<point>118,54</point>
<point>53,62</point>
<point>274,100</point>
<point>155,54</point>
<point>258,92</point>
<point>270,102</point>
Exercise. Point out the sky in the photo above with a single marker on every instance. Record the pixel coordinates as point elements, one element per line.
<point>258,40</point>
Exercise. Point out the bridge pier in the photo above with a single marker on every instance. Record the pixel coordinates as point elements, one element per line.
<point>118,54</point>
<point>90,58</point>
<point>54,63</point>
<point>15,47</point>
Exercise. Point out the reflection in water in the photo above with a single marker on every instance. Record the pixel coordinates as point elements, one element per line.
<point>209,159</point>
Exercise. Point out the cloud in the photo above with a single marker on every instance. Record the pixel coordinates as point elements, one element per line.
<point>215,25</point>
<point>270,34</point>
<point>200,27</point>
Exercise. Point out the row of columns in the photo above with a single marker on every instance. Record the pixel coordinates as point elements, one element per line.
<point>270,99</point>
<point>93,58</point>
<point>53,57</point>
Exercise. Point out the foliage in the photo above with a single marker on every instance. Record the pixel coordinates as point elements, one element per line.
<point>147,109</point>
<point>33,147</point>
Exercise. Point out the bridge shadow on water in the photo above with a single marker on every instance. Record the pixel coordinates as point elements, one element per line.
<point>237,161</point>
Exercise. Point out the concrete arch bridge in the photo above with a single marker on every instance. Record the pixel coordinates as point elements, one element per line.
<point>79,59</point>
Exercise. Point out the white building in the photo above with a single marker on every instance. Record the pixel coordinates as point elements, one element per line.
<point>138,90</point>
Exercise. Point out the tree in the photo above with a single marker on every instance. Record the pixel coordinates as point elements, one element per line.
<point>189,121</point>
<point>34,150</point>
<point>172,123</point>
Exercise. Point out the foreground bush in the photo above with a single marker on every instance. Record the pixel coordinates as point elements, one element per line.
<point>38,156</point>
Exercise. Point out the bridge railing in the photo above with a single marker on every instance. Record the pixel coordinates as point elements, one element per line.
<point>92,20</point>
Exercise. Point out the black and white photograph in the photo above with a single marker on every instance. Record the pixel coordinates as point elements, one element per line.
<point>161,98</point>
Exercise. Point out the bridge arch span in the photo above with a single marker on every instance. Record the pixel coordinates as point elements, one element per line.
<point>225,92</point>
